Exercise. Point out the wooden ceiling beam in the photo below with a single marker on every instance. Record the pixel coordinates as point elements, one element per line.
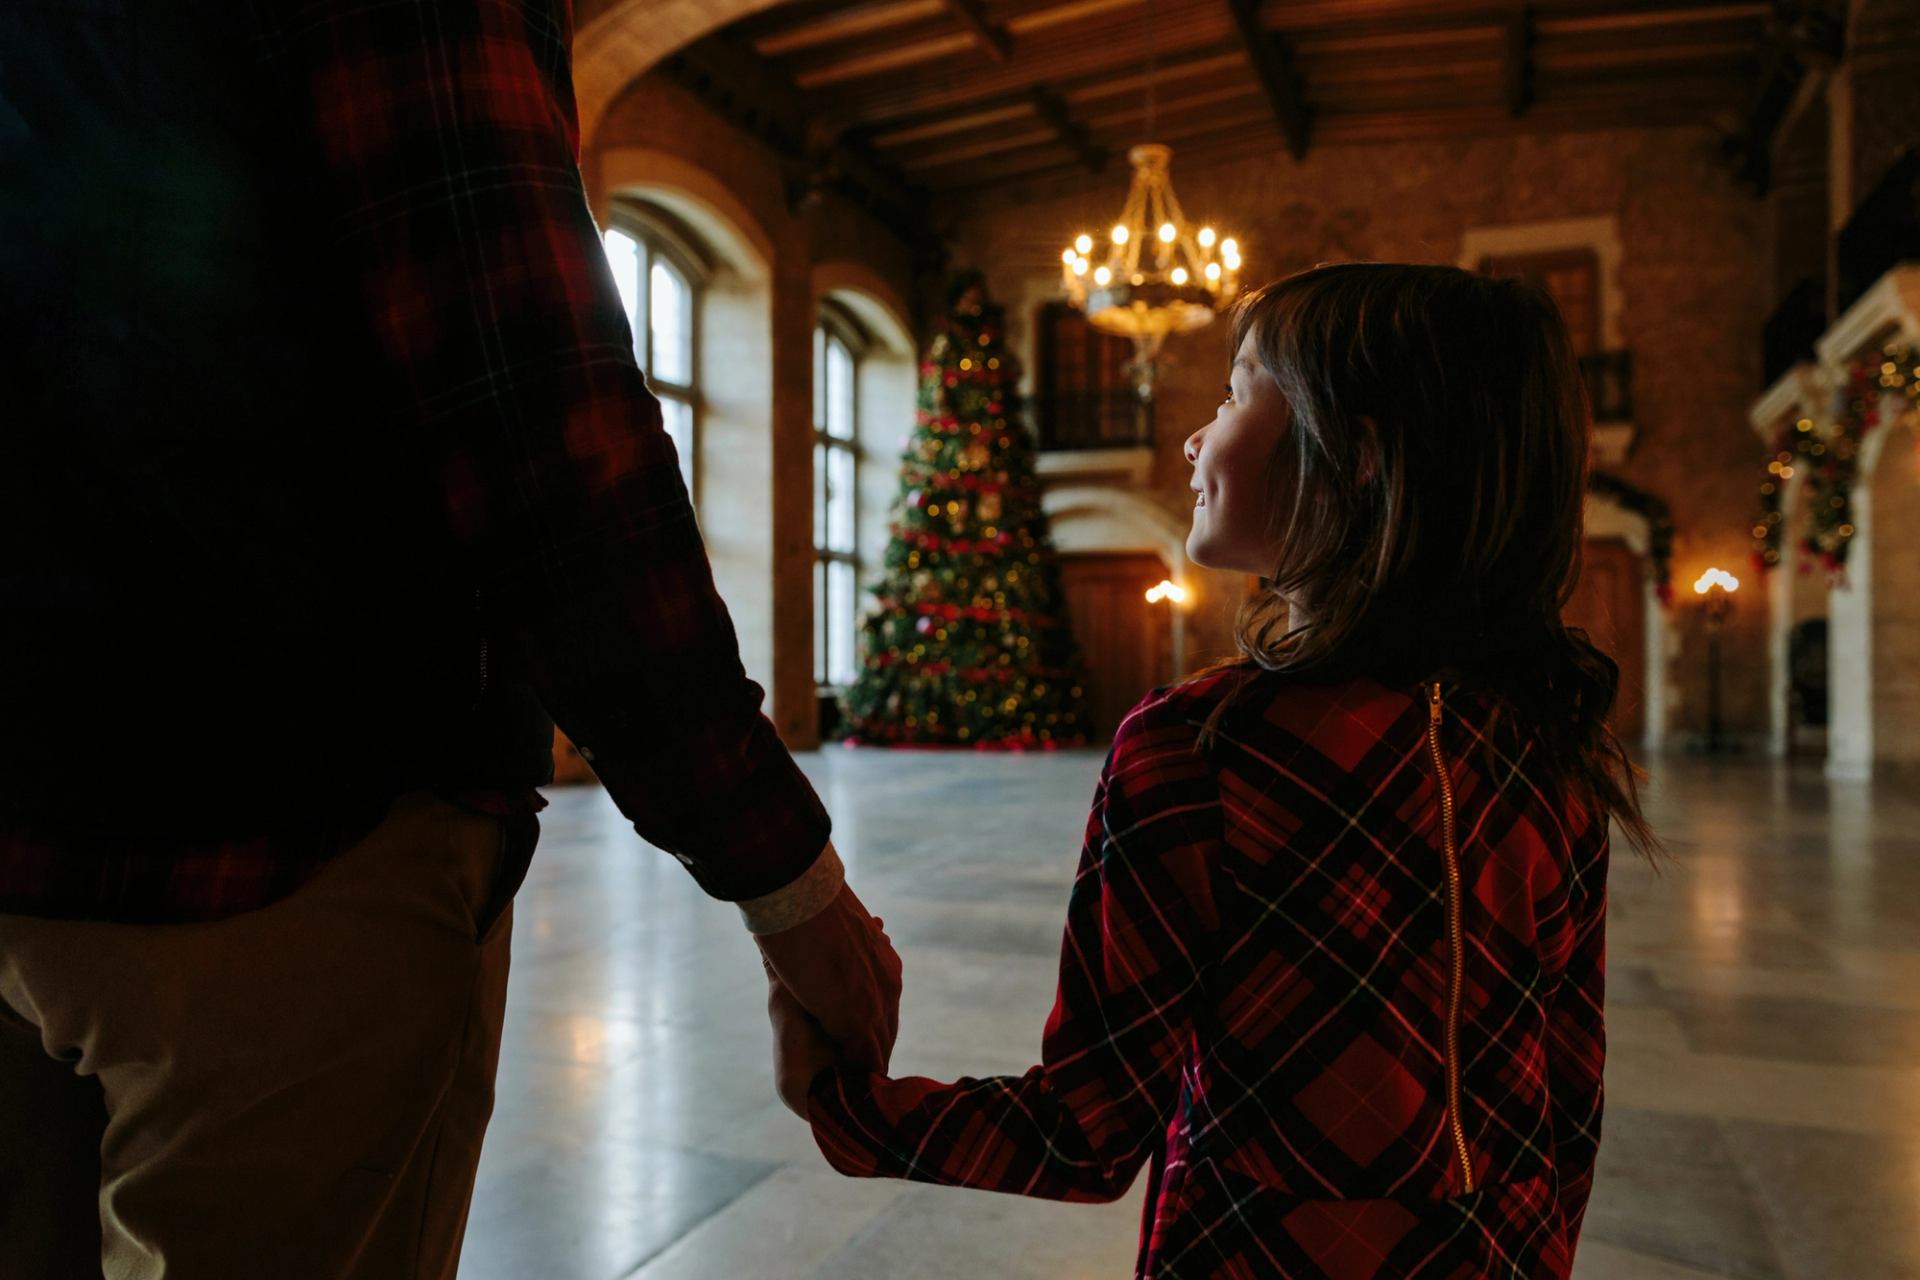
<point>1814,38</point>
<point>1272,61</point>
<point>879,56</point>
<point>924,163</point>
<point>775,34</point>
<point>1117,42</point>
<point>973,17</point>
<point>1118,119</point>
<point>1073,136</point>
<point>726,74</point>
<point>1224,139</point>
<point>946,125</point>
<point>1207,64</point>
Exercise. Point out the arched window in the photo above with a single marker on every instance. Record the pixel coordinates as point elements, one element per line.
<point>837,349</point>
<point>659,275</point>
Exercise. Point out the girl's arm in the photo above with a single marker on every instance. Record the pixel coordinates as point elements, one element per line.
<point>1577,1039</point>
<point>1138,941</point>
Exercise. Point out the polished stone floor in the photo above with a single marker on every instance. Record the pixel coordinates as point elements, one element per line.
<point>1764,1013</point>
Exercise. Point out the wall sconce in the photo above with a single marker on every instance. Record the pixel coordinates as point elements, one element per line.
<point>1715,587</point>
<point>1166,589</point>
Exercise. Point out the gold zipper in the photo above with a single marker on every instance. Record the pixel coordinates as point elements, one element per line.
<point>1455,949</point>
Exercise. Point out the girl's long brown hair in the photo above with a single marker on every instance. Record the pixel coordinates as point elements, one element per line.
<point>1428,501</point>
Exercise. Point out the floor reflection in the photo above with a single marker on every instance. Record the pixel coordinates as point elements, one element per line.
<point>1764,1017</point>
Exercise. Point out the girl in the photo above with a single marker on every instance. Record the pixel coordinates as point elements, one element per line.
<point>1333,957</point>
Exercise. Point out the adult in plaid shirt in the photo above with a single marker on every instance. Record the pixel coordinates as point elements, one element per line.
<point>1334,956</point>
<point>328,475</point>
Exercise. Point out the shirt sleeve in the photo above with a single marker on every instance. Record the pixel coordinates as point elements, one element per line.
<point>446,148</point>
<point>1577,1042</point>
<point>1138,943</point>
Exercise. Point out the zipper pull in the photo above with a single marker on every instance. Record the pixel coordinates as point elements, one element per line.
<point>1433,703</point>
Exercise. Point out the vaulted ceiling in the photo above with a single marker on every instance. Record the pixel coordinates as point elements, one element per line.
<point>907,100</point>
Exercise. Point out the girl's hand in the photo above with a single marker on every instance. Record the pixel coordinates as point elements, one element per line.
<point>801,1050</point>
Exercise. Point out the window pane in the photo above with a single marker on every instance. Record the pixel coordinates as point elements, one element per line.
<point>843,611</point>
<point>820,497</point>
<point>672,305</point>
<point>678,415</point>
<point>819,378</point>
<point>839,389</point>
<point>839,529</point>
<point>623,255</point>
<point>820,622</point>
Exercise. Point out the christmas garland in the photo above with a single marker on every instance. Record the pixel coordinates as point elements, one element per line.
<point>1659,518</point>
<point>1796,445</point>
<point>1833,455</point>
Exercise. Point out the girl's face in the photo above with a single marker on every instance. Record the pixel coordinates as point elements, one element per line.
<point>1231,457</point>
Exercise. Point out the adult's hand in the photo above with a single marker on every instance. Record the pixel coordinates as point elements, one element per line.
<point>801,1050</point>
<point>842,968</point>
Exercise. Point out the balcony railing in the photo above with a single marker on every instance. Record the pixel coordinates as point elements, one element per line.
<point>1883,232</point>
<point>1113,418</point>
<point>1609,376</point>
<point>1790,332</point>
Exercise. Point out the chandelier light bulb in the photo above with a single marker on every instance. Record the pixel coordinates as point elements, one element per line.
<point>1186,284</point>
<point>1067,256</point>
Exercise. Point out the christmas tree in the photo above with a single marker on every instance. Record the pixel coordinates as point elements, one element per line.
<point>970,645</point>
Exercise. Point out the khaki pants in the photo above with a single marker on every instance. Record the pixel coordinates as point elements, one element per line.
<point>297,1092</point>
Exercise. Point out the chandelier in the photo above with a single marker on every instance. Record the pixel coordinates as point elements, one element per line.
<point>1157,274</point>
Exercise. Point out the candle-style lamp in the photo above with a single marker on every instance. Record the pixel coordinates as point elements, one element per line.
<point>1715,588</point>
<point>1176,597</point>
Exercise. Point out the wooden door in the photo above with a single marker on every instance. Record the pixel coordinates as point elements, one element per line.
<point>1610,603</point>
<point>1127,643</point>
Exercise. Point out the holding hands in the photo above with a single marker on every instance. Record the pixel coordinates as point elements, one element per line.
<point>833,995</point>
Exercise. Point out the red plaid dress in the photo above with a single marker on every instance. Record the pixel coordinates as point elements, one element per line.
<point>1261,993</point>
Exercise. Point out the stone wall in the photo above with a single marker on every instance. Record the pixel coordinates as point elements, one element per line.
<point>1693,274</point>
<point>1894,565</point>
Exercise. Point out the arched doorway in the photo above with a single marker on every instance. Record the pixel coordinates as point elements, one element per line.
<point>1616,603</point>
<point>1113,546</point>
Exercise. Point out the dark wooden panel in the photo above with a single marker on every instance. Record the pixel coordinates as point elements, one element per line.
<point>1609,602</point>
<point>1127,642</point>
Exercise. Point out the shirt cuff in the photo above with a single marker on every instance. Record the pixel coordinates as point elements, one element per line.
<point>798,902</point>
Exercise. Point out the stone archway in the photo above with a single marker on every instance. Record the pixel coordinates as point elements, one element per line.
<point>1793,595</point>
<point>1114,536</point>
<point>1875,629</point>
<point>1891,481</point>
<point>1607,519</point>
<point>615,42</point>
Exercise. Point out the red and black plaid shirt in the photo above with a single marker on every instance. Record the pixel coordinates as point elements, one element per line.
<point>445,146</point>
<point>1254,996</point>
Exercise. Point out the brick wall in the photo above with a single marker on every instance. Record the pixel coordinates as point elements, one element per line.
<point>1693,273</point>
